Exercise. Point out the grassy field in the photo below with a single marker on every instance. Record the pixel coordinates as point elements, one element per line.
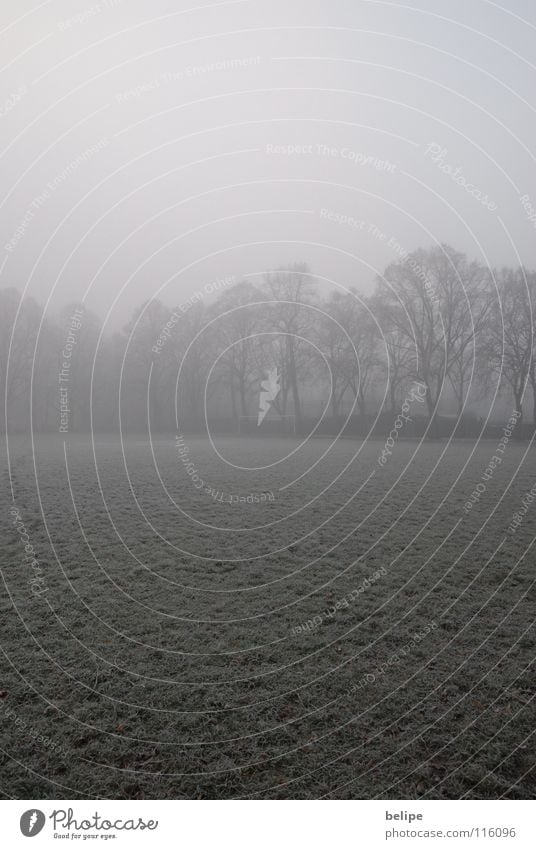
<point>351,631</point>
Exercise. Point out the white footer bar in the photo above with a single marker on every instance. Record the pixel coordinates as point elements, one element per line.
<point>270,824</point>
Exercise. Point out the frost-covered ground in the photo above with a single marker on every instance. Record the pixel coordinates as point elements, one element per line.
<point>182,643</point>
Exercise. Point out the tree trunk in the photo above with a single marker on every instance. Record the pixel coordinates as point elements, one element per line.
<point>392,397</point>
<point>432,413</point>
<point>243,401</point>
<point>294,385</point>
<point>234,411</point>
<point>154,406</point>
<point>518,397</point>
<point>334,403</point>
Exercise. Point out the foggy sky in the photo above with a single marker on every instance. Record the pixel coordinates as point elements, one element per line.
<point>139,141</point>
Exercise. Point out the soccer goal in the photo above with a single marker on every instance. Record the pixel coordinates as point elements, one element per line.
<point>280,426</point>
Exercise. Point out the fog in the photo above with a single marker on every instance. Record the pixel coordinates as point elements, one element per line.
<point>146,153</point>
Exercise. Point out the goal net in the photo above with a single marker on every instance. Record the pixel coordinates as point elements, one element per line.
<point>280,426</point>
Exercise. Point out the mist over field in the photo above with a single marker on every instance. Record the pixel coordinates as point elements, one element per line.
<point>268,369</point>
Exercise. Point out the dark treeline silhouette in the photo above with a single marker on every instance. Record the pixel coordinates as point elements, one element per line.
<point>344,362</point>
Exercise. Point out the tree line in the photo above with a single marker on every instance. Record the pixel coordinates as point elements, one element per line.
<point>463,331</point>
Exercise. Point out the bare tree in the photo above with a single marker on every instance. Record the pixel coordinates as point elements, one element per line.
<point>19,324</point>
<point>290,290</point>
<point>357,357</point>
<point>396,366</point>
<point>466,322</point>
<point>78,333</point>
<point>433,318</point>
<point>193,354</point>
<point>146,356</point>
<point>436,302</point>
<point>238,323</point>
<point>510,333</point>
<point>333,340</point>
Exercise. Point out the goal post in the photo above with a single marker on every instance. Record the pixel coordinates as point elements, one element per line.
<point>280,426</point>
